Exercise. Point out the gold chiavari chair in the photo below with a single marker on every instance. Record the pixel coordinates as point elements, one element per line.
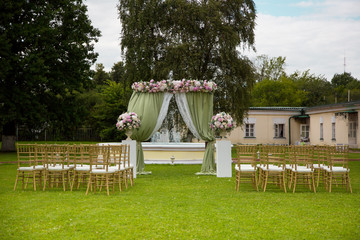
<point>101,174</point>
<point>245,169</point>
<point>273,167</point>
<point>57,171</point>
<point>81,170</point>
<point>116,152</point>
<point>30,165</point>
<point>338,170</point>
<point>303,171</point>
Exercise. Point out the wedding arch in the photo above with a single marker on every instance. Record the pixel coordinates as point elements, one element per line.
<point>194,98</point>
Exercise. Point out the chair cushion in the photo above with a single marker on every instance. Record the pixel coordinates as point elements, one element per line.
<point>338,169</point>
<point>58,168</point>
<point>102,171</point>
<point>302,170</point>
<point>27,169</point>
<point>82,168</point>
<point>245,168</point>
<point>116,168</point>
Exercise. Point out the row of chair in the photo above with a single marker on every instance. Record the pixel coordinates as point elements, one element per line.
<point>289,166</point>
<point>54,165</point>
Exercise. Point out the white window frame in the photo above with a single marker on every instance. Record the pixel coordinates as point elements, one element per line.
<point>307,130</point>
<point>277,130</point>
<point>249,130</point>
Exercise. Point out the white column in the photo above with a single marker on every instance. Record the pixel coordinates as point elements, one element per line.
<point>223,158</point>
<point>132,144</point>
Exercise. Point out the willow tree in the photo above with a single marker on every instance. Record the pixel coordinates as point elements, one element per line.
<point>46,53</point>
<point>192,39</point>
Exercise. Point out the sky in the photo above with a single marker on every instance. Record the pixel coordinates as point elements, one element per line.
<point>315,35</point>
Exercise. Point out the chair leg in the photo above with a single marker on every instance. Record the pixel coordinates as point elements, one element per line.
<point>348,181</point>
<point>17,177</point>
<point>313,182</point>
<point>295,180</point>
<point>256,183</point>
<point>88,185</point>
<point>283,175</point>
<point>330,181</point>
<point>266,179</point>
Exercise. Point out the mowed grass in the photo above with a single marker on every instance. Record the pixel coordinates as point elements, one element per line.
<point>174,203</point>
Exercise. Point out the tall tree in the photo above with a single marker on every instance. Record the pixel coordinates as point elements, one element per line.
<point>317,89</point>
<point>342,83</point>
<point>100,76</point>
<point>192,39</point>
<point>46,53</point>
<point>269,68</point>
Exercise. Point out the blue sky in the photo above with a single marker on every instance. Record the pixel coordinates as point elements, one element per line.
<point>313,35</point>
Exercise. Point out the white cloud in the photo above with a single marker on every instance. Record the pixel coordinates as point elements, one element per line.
<point>104,16</point>
<point>318,41</point>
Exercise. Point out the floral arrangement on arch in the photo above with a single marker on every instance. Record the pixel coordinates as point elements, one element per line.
<point>222,122</point>
<point>128,121</point>
<point>174,86</point>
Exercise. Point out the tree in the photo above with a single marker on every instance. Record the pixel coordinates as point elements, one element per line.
<point>100,76</point>
<point>317,89</point>
<point>105,113</point>
<point>46,53</point>
<point>283,92</point>
<point>344,82</point>
<point>192,39</point>
<point>269,68</point>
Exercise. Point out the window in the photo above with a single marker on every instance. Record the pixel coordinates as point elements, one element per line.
<point>333,131</point>
<point>249,130</point>
<point>304,132</point>
<point>279,130</point>
<point>321,132</point>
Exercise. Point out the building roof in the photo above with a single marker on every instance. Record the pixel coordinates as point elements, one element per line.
<point>295,109</point>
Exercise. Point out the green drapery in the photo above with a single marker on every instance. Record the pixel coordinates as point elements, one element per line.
<point>201,111</point>
<point>147,106</point>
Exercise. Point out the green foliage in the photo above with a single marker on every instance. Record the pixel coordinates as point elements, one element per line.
<point>269,68</point>
<point>282,92</point>
<point>317,89</point>
<point>46,53</point>
<point>192,39</point>
<point>174,203</point>
<point>344,82</point>
<point>100,77</point>
<point>105,113</point>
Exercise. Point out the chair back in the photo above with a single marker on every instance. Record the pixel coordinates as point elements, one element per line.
<point>99,157</point>
<point>57,155</point>
<point>27,155</point>
<point>302,156</point>
<point>246,154</point>
<point>274,155</point>
<point>338,156</point>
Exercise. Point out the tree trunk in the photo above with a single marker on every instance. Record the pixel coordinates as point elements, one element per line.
<point>8,137</point>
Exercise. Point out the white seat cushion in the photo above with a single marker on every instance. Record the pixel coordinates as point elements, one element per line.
<point>58,168</point>
<point>116,168</point>
<point>27,169</point>
<point>245,168</point>
<point>302,170</point>
<point>82,168</point>
<point>338,169</point>
<point>102,171</point>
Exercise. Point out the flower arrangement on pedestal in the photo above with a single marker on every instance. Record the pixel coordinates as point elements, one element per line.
<point>222,123</point>
<point>174,86</point>
<point>128,121</point>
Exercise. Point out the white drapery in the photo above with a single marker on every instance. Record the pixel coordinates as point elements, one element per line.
<point>185,113</point>
<point>163,112</point>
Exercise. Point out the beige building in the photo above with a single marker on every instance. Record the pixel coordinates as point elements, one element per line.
<point>320,125</point>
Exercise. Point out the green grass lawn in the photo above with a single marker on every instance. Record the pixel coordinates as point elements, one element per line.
<point>174,203</point>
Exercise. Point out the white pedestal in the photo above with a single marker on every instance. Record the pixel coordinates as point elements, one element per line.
<point>223,158</point>
<point>132,144</point>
